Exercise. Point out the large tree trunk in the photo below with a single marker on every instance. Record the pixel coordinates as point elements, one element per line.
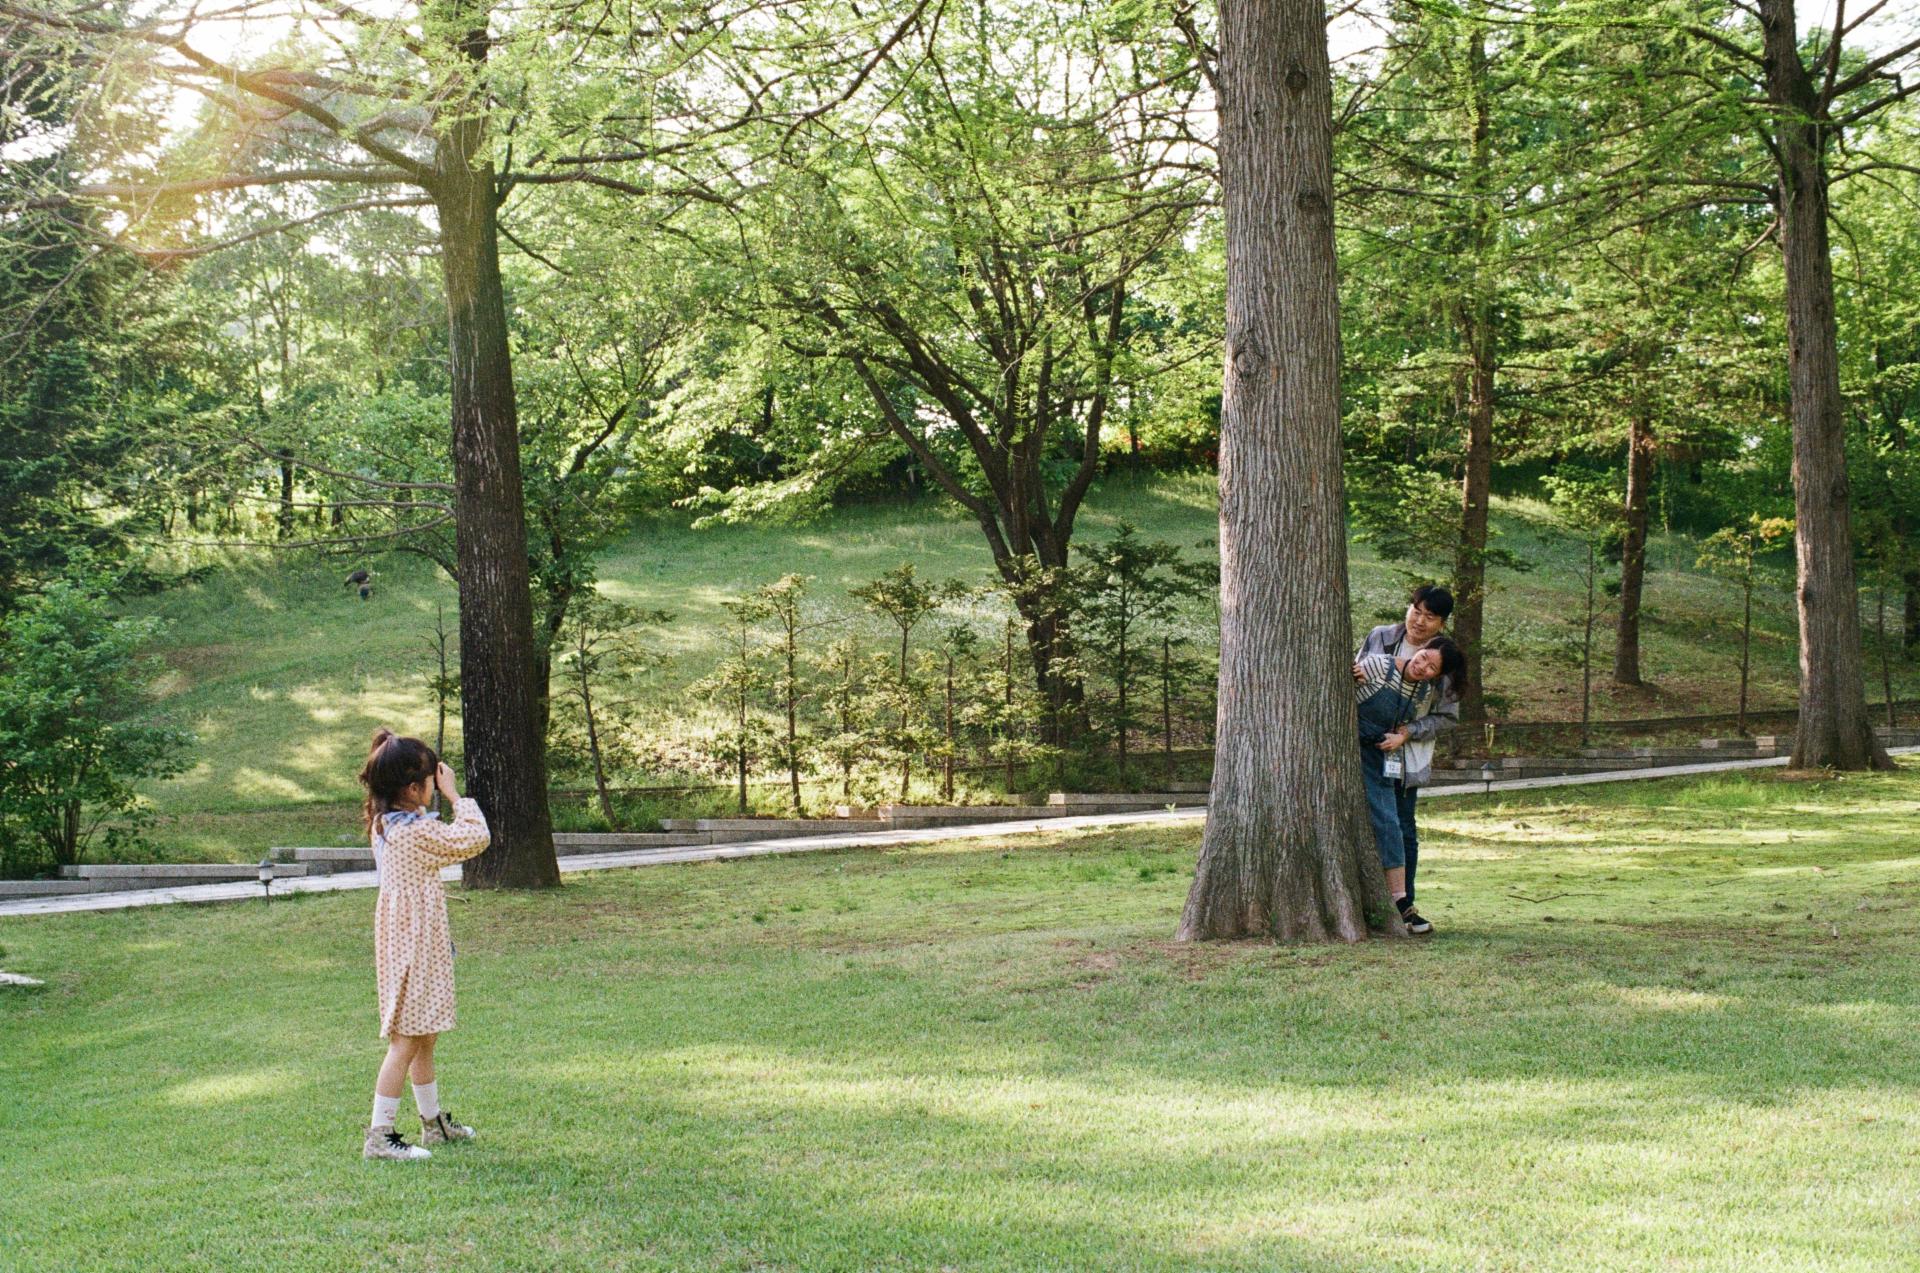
<point>503,740</point>
<point>1834,729</point>
<point>1287,851</point>
<point>1470,562</point>
<point>1633,549</point>
<point>1479,324</point>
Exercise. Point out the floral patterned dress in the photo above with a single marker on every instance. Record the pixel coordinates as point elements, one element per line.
<point>412,943</point>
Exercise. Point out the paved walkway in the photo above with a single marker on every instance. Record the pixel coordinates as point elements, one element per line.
<point>243,891</point>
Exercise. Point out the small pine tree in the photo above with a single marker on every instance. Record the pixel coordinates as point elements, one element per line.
<point>906,601</point>
<point>443,674</point>
<point>844,694</point>
<point>952,668</point>
<point>1593,512</point>
<point>739,682</point>
<point>1008,714</point>
<point>1130,590</point>
<point>1733,553</point>
<point>598,663</point>
<point>781,601</point>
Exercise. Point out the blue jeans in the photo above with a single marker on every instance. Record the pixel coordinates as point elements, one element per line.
<point>1384,798</point>
<point>1404,800</point>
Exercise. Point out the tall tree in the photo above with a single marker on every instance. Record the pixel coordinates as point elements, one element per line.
<point>1877,255</point>
<point>1812,102</point>
<point>977,257</point>
<point>1834,728</point>
<point>444,152</point>
<point>1287,852</point>
<point>415,106</point>
<point>1649,355</point>
<point>1434,196</point>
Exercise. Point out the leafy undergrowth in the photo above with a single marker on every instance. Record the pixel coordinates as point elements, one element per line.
<point>1662,1025</point>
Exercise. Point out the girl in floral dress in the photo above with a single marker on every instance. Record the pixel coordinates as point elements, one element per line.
<point>412,943</point>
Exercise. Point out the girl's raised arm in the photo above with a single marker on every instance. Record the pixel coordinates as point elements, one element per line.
<point>446,843</point>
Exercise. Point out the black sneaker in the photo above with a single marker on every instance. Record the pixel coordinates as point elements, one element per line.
<point>1416,923</point>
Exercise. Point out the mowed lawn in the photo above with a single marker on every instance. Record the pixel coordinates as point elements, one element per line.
<point>1664,1025</point>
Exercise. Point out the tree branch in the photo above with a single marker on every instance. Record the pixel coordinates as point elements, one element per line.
<point>360,205</point>
<point>210,185</point>
<point>274,454</point>
<point>1872,69</point>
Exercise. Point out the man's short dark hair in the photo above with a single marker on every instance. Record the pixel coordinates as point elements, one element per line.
<point>1434,599</point>
<point>1453,663</point>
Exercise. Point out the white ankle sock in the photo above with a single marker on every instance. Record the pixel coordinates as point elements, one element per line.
<point>426,1098</point>
<point>385,1110</point>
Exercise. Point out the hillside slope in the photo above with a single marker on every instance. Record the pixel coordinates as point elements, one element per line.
<point>283,672</point>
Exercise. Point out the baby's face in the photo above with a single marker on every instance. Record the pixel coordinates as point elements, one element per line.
<point>1423,666</point>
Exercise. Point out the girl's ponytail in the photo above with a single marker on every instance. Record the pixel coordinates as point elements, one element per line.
<point>394,763</point>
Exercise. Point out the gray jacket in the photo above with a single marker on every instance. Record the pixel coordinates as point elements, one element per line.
<point>1442,716</point>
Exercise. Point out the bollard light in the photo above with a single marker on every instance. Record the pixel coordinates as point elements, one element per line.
<point>1486,778</point>
<point>266,879</point>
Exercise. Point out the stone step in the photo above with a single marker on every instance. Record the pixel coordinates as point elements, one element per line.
<point>1078,801</point>
<point>49,888</point>
<point>1520,773</point>
<point>966,812</point>
<point>328,859</point>
<point>1673,755</point>
<point>567,842</point>
<point>144,873</point>
<point>333,859</point>
<point>738,829</point>
<point>1510,767</point>
<point>129,883</point>
<point>906,817</point>
<point>1091,811</point>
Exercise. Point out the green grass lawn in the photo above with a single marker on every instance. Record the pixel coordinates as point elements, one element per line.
<point>283,673</point>
<point>1664,1025</point>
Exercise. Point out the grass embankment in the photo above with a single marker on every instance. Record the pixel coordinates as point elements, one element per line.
<point>1664,1025</point>
<point>283,672</point>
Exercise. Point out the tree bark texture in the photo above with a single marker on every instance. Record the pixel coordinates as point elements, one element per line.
<point>286,494</point>
<point>1287,852</point>
<point>1470,563</point>
<point>1834,730</point>
<point>1478,322</point>
<point>503,738</point>
<point>1633,550</point>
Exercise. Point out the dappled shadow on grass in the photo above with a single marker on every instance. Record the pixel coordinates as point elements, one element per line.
<point>1676,964</point>
<point>993,1057</point>
<point>1723,1031</point>
<point>907,1187</point>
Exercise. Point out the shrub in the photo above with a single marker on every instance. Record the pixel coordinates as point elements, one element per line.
<point>76,731</point>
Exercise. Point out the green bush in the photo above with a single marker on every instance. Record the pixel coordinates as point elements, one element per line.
<point>75,726</point>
